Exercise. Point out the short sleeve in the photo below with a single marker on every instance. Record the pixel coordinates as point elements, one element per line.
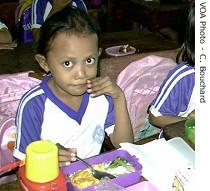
<point>29,120</point>
<point>175,94</point>
<point>40,11</point>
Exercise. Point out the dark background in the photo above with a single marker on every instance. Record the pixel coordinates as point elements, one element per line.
<point>122,15</point>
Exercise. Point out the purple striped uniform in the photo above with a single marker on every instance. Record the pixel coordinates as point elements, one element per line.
<point>176,96</point>
<point>42,116</point>
<point>42,8</point>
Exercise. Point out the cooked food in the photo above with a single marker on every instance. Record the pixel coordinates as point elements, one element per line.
<point>124,48</point>
<point>119,167</point>
<point>83,178</point>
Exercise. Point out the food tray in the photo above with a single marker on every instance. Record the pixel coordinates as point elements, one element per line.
<point>142,186</point>
<point>124,181</point>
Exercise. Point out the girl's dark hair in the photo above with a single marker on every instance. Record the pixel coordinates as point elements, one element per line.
<point>70,20</point>
<point>187,52</point>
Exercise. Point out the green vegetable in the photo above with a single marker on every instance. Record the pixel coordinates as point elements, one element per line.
<point>118,162</point>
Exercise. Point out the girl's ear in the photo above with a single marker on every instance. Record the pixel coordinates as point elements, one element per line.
<point>42,62</point>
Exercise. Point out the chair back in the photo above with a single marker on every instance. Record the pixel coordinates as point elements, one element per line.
<point>13,86</point>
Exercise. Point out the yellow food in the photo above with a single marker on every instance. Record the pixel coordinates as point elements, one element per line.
<point>124,48</point>
<point>84,178</point>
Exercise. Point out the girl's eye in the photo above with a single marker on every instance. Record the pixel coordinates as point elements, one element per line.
<point>90,61</point>
<point>67,64</point>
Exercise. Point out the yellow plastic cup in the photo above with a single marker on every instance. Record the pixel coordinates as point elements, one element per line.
<point>41,161</point>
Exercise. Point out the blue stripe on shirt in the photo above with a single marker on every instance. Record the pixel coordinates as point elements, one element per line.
<point>175,92</point>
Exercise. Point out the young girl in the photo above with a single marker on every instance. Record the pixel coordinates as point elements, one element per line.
<point>72,106</point>
<point>175,100</point>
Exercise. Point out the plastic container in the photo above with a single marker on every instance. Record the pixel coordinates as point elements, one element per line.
<point>57,184</point>
<point>142,186</point>
<point>190,129</point>
<point>41,161</point>
<point>124,181</point>
<point>184,149</point>
<point>107,184</point>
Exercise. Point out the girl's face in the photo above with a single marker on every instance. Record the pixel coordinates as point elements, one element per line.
<point>72,60</point>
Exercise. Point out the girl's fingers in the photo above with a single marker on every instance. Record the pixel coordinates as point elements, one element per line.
<point>96,91</point>
<point>62,164</point>
<point>99,85</point>
<point>98,81</point>
<point>64,160</point>
<point>65,157</point>
<point>103,88</point>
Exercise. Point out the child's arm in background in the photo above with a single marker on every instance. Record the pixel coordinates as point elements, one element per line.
<point>123,130</point>
<point>162,121</point>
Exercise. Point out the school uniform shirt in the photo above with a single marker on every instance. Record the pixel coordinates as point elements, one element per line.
<point>176,96</point>
<point>42,8</point>
<point>42,116</point>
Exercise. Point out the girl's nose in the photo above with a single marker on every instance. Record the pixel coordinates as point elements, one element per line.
<point>81,72</point>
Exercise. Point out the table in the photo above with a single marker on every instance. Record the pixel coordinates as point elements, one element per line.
<point>170,131</point>
<point>19,59</point>
<point>143,41</point>
<point>160,14</point>
<point>14,186</point>
<point>157,14</point>
<point>177,130</point>
<point>22,57</point>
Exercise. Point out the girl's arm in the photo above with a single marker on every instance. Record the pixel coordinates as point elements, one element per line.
<point>123,130</point>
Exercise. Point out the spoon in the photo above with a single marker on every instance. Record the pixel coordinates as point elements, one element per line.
<point>96,173</point>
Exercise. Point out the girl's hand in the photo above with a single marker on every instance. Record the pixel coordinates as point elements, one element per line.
<point>123,130</point>
<point>66,156</point>
<point>103,85</point>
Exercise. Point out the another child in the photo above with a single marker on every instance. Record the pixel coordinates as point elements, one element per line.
<point>175,100</point>
<point>5,35</point>
<point>6,38</point>
<point>42,9</point>
<point>72,106</point>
